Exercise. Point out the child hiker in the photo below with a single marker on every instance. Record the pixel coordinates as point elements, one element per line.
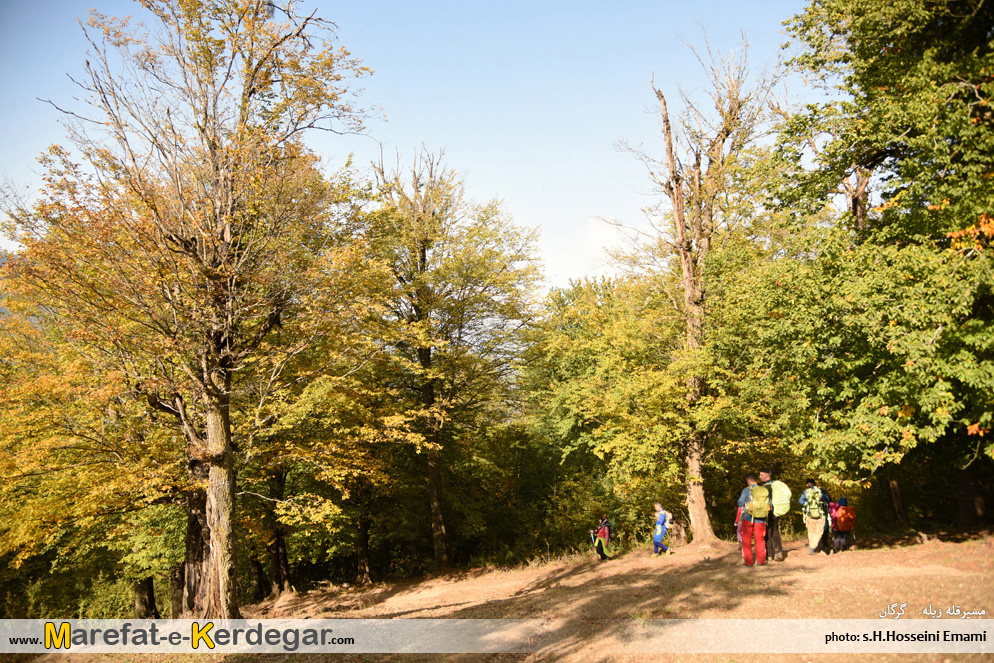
<point>664,519</point>
<point>602,538</point>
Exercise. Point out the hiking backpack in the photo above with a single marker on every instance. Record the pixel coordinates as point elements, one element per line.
<point>666,525</point>
<point>759,502</point>
<point>814,507</point>
<point>845,519</point>
<point>781,495</point>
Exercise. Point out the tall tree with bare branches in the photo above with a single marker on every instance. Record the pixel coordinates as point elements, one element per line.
<point>695,175</point>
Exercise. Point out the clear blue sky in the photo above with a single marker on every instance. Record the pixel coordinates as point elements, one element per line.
<point>529,99</point>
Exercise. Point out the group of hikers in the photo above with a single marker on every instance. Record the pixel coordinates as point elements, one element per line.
<point>601,536</point>
<point>764,501</point>
<point>761,505</point>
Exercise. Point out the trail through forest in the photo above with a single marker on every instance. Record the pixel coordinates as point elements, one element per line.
<point>590,602</point>
<point>695,583</point>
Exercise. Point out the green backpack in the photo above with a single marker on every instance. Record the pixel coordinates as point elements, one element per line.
<point>759,502</point>
<point>814,507</point>
<point>781,498</point>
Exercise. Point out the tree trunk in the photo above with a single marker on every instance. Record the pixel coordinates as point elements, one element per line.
<point>693,296</point>
<point>697,508</point>
<point>700,521</point>
<point>280,569</point>
<point>145,600</point>
<point>279,564</point>
<point>362,497</point>
<point>363,576</point>
<point>858,195</point>
<point>218,598</point>
<point>197,536</point>
<point>176,590</point>
<point>678,534</point>
<point>895,496</point>
<point>438,535</point>
<point>260,580</point>
<point>971,506</point>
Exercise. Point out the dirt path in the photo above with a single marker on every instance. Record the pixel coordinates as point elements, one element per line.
<point>694,583</point>
<point>593,602</point>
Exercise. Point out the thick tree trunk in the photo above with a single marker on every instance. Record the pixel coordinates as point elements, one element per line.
<point>218,598</point>
<point>362,497</point>
<point>176,591</point>
<point>438,535</point>
<point>700,521</point>
<point>363,576</point>
<point>145,600</point>
<point>697,508</point>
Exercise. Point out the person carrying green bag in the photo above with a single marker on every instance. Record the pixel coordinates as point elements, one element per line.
<point>755,500</point>
<point>780,499</point>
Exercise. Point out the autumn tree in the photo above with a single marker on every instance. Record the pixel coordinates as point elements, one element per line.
<point>463,278</point>
<point>880,315</point>
<point>76,449</point>
<point>81,464</point>
<point>910,90</point>
<point>701,157</point>
<point>596,387</point>
<point>324,455</point>
<point>196,228</point>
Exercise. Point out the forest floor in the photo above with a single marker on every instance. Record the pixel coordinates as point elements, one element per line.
<point>591,599</point>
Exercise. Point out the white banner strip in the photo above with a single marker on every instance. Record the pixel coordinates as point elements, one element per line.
<point>703,636</point>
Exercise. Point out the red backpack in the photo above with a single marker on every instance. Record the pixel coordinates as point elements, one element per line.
<point>845,518</point>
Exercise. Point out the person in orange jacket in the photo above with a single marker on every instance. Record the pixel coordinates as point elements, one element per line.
<point>842,525</point>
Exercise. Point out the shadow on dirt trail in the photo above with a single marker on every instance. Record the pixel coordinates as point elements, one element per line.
<point>586,603</point>
<point>593,602</point>
<point>916,538</point>
<point>324,605</point>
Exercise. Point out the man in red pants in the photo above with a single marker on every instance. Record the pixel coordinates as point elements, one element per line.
<point>755,503</point>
